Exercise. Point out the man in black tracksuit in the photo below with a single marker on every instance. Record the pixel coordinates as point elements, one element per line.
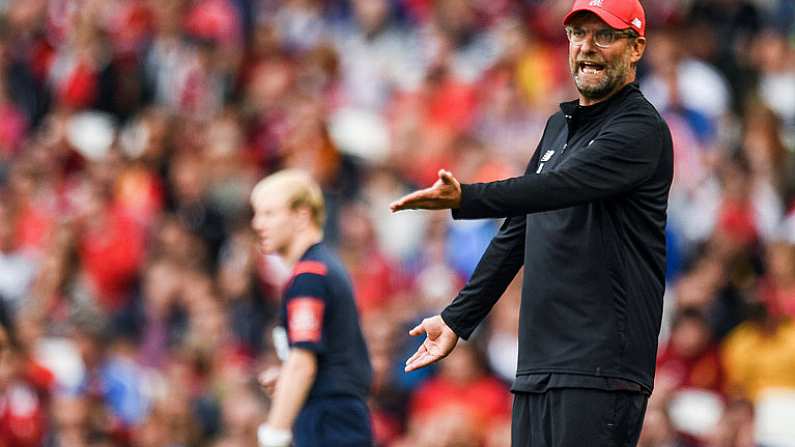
<point>587,221</point>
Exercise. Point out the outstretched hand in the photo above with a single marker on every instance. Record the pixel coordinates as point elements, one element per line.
<point>444,194</point>
<point>439,342</point>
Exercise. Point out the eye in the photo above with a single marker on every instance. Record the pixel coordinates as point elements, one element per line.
<point>578,33</point>
<point>604,36</point>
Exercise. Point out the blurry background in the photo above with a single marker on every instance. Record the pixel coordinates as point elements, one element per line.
<point>131,132</point>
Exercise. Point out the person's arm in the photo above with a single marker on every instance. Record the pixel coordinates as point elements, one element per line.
<point>496,269</point>
<point>296,378</point>
<point>305,311</point>
<point>619,159</point>
<point>295,381</point>
<point>625,155</point>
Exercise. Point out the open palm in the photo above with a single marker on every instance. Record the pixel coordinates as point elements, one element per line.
<point>439,342</point>
<point>444,194</point>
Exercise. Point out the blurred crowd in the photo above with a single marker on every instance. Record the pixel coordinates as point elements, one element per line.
<point>136,310</point>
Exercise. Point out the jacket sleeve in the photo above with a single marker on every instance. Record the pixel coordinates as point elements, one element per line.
<point>622,157</point>
<point>496,269</point>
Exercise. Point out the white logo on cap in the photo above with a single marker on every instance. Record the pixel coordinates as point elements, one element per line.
<point>636,21</point>
<point>596,3</point>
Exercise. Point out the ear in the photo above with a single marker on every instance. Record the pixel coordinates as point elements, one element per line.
<point>305,216</point>
<point>637,48</point>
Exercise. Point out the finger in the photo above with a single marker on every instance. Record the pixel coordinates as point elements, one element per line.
<point>408,200</point>
<point>398,205</point>
<point>411,362</point>
<point>418,330</point>
<point>420,352</point>
<point>414,357</point>
<point>269,389</point>
<point>408,197</point>
<point>446,177</point>
<point>421,362</point>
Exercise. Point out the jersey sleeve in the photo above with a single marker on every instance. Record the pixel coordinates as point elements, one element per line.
<point>622,157</point>
<point>306,303</point>
<point>496,269</point>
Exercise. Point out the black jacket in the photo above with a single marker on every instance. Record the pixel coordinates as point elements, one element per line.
<point>587,220</point>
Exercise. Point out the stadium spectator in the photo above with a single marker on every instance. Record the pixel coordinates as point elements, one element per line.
<point>758,355</point>
<point>690,359</point>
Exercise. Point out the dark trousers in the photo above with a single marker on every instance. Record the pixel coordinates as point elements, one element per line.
<point>577,417</point>
<point>338,422</point>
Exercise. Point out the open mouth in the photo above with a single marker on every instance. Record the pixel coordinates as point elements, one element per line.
<point>590,67</point>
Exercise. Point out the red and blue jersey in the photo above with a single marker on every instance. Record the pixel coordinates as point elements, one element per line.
<point>319,313</point>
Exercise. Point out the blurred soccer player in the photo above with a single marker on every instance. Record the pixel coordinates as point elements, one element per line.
<point>319,393</point>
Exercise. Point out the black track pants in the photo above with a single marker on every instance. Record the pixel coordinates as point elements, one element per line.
<point>577,417</point>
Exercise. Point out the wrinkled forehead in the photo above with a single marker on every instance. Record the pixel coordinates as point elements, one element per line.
<point>587,19</point>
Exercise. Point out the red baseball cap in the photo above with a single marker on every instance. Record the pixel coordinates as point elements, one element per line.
<point>619,14</point>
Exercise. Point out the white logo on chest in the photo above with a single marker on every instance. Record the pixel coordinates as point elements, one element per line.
<point>547,156</point>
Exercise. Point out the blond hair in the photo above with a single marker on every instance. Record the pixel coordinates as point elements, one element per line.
<point>299,189</point>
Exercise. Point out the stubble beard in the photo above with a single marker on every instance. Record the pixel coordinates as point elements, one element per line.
<point>614,76</point>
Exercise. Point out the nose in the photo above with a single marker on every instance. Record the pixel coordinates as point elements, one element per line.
<point>588,46</point>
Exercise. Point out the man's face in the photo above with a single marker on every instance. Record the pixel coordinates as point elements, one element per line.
<point>598,72</point>
<point>274,222</point>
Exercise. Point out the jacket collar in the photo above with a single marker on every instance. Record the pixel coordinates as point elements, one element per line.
<point>573,108</point>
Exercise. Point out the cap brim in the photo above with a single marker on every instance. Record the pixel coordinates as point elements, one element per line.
<point>608,18</point>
